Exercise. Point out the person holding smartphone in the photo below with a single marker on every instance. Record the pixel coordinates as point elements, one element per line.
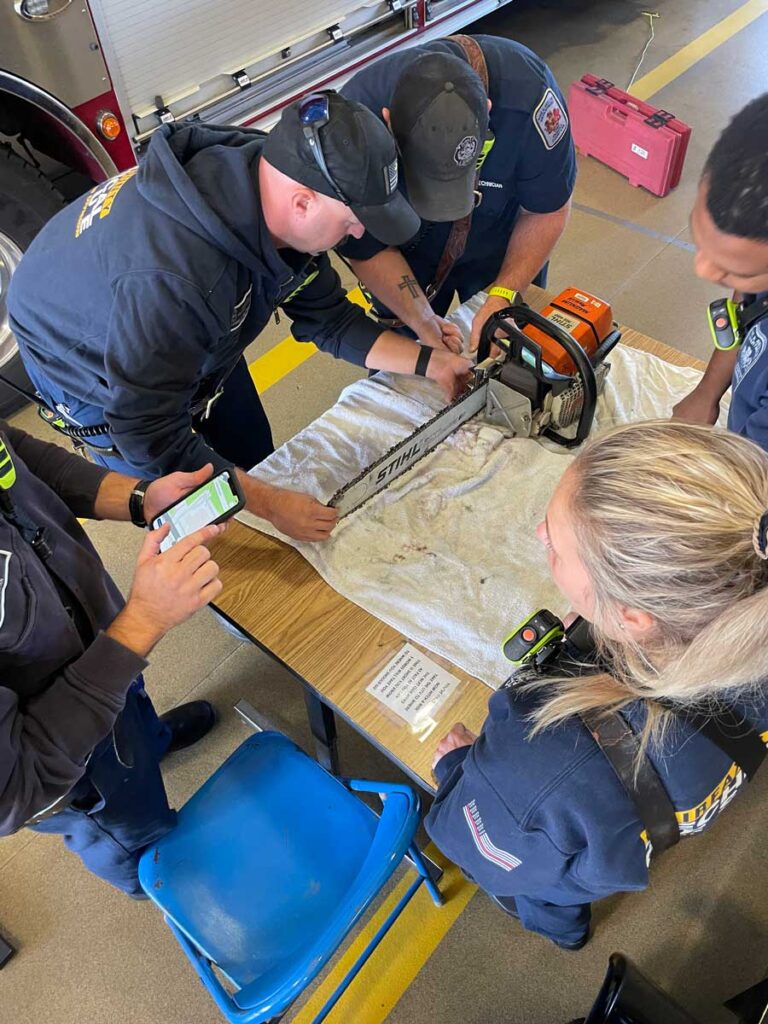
<point>80,742</point>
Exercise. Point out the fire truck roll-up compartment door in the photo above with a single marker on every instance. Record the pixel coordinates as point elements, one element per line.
<point>231,60</point>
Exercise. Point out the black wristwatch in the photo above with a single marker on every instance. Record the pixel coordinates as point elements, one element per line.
<point>136,503</point>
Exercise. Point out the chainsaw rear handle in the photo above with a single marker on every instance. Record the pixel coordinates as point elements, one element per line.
<point>520,317</point>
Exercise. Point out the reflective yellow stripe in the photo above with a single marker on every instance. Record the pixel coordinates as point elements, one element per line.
<point>307,280</point>
<point>7,468</point>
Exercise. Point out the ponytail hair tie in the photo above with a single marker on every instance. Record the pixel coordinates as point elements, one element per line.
<point>760,536</point>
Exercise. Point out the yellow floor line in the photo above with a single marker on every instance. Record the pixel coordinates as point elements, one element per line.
<point>691,54</point>
<point>284,357</point>
<point>278,361</point>
<point>410,943</point>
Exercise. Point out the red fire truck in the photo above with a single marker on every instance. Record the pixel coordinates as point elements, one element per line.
<point>85,83</point>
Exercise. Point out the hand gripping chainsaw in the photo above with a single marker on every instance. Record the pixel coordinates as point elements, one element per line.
<point>542,383</point>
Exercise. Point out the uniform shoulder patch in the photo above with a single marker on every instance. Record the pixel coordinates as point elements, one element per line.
<point>751,352</point>
<point>550,119</point>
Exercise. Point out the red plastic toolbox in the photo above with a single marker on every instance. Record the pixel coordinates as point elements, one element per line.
<point>642,142</point>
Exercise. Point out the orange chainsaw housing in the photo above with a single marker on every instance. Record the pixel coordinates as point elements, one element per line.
<point>586,318</point>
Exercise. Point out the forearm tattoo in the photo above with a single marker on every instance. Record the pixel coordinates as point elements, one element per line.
<point>411,284</point>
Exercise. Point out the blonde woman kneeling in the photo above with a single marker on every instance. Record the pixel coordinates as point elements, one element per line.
<point>657,536</point>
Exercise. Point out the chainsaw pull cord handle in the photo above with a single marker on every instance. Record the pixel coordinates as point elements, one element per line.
<point>520,317</point>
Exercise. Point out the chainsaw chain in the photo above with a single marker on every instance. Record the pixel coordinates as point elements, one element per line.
<point>400,444</point>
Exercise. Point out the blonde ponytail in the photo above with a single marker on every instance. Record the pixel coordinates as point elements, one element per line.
<point>667,515</point>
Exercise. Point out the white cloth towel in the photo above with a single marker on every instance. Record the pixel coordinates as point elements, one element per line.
<point>447,553</point>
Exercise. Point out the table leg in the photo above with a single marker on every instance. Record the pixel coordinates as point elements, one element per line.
<point>251,716</point>
<point>6,952</point>
<point>323,725</point>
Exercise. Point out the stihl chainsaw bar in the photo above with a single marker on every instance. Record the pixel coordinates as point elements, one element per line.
<point>402,456</point>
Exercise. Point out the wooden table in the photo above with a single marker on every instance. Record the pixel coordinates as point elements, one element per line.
<point>333,647</point>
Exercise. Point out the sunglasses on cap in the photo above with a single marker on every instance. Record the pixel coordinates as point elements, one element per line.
<point>314,113</point>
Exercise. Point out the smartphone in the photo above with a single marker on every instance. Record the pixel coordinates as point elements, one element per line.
<point>217,500</point>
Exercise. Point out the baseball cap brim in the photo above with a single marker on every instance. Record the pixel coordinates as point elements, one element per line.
<point>440,200</point>
<point>393,223</point>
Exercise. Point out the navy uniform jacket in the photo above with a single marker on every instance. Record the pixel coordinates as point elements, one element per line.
<point>748,414</point>
<point>532,163</point>
<point>548,819</point>
<point>59,694</point>
<point>140,296</point>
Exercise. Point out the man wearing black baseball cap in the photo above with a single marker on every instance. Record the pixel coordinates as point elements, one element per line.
<point>488,164</point>
<point>134,305</point>
<point>334,147</point>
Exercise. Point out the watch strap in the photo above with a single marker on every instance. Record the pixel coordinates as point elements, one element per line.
<point>503,293</point>
<point>136,503</point>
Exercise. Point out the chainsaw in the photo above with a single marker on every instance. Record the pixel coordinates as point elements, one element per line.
<point>541,382</point>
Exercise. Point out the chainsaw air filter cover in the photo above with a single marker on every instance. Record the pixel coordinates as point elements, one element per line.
<point>586,318</point>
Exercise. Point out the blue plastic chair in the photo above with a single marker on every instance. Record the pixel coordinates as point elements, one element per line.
<point>272,862</point>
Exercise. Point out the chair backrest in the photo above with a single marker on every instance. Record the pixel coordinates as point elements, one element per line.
<point>628,997</point>
<point>272,862</point>
<point>269,813</point>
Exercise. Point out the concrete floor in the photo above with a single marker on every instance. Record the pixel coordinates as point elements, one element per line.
<point>88,954</point>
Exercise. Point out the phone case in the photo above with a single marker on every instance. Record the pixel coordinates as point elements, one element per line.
<point>236,488</point>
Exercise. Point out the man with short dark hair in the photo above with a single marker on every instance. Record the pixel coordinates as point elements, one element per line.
<point>455,105</point>
<point>729,225</point>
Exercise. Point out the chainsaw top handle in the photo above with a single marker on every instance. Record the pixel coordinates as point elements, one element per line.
<point>520,316</point>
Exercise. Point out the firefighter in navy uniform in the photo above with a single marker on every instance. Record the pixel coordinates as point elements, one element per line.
<point>80,742</point>
<point>729,226</point>
<point>133,307</point>
<point>436,101</point>
<point>657,535</point>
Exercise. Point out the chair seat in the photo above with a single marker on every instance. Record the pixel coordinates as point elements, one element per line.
<point>254,876</point>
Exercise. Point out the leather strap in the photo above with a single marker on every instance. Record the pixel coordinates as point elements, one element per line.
<point>644,787</point>
<point>474,55</point>
<point>726,729</point>
<point>457,239</point>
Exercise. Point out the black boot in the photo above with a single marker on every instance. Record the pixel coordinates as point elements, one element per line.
<point>189,723</point>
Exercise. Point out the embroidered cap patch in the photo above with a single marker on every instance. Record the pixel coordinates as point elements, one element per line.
<point>464,153</point>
